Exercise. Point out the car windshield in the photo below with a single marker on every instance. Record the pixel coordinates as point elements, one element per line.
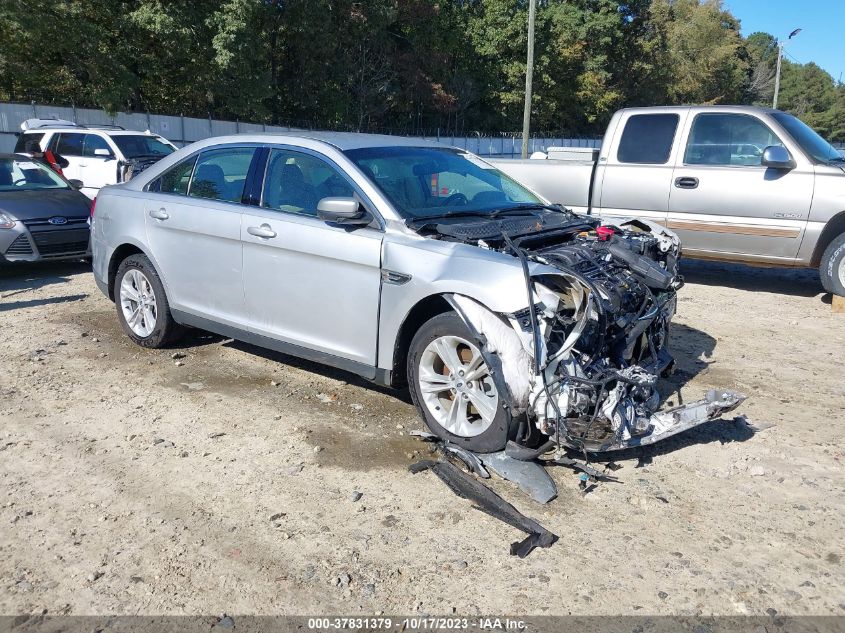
<point>429,181</point>
<point>141,145</point>
<point>808,138</point>
<point>19,174</point>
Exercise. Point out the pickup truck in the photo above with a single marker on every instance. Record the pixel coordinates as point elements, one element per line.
<point>735,183</point>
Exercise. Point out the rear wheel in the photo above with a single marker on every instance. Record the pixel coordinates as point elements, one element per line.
<point>453,389</point>
<point>832,267</point>
<point>142,307</point>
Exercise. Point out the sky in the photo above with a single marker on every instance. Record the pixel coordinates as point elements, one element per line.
<point>821,40</point>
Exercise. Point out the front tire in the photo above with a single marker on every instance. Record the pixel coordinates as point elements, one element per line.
<point>832,266</point>
<point>142,306</point>
<point>452,388</point>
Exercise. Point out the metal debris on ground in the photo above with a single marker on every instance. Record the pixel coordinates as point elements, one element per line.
<point>484,499</point>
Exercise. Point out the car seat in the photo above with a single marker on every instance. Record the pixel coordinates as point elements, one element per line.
<point>210,182</point>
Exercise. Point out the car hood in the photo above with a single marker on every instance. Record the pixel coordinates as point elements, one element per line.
<point>44,203</point>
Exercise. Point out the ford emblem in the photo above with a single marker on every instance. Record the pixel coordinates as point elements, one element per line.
<point>58,220</point>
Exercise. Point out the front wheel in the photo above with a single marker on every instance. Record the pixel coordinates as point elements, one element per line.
<point>453,389</point>
<point>142,306</point>
<point>832,267</point>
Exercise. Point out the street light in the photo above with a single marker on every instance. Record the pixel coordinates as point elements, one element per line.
<point>777,72</point>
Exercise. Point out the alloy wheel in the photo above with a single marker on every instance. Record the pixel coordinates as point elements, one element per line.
<point>138,302</point>
<point>456,386</point>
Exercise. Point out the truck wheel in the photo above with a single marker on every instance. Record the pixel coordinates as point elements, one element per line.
<point>142,307</point>
<point>452,388</point>
<point>832,267</point>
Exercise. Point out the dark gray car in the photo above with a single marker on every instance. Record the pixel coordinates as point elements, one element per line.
<point>42,215</point>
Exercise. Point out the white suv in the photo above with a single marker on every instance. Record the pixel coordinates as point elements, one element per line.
<point>96,155</point>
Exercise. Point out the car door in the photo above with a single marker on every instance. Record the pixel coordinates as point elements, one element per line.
<point>193,219</point>
<point>306,282</point>
<point>635,177</point>
<point>97,169</point>
<point>68,145</point>
<point>724,201</point>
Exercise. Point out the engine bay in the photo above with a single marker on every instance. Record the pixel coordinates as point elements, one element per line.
<point>583,359</point>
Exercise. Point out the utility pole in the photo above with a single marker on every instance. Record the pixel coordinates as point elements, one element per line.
<point>529,72</point>
<point>777,70</point>
<point>777,77</point>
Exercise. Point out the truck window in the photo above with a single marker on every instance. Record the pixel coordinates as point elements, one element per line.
<point>728,139</point>
<point>647,139</point>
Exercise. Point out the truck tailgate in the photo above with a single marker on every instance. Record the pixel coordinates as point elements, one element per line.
<point>561,182</point>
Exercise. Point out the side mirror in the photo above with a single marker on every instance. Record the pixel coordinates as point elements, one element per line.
<point>103,153</point>
<point>342,211</point>
<point>777,157</point>
<point>76,183</point>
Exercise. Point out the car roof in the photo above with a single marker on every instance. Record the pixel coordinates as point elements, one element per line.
<point>339,140</point>
<point>87,130</point>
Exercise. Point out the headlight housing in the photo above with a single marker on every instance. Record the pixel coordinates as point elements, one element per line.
<point>6,221</point>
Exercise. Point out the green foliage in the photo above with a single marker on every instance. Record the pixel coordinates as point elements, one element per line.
<point>406,65</point>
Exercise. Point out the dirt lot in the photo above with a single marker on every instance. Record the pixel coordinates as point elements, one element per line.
<point>133,482</point>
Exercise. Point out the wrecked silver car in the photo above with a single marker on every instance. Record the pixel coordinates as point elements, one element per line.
<point>408,263</point>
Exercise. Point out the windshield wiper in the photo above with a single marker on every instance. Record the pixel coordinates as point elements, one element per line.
<point>837,159</point>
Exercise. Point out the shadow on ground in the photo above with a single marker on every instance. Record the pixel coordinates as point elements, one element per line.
<point>801,282</point>
<point>19,278</point>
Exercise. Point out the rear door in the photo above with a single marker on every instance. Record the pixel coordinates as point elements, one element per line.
<point>69,146</point>
<point>724,201</point>
<point>193,216</point>
<point>637,172</point>
<point>309,283</point>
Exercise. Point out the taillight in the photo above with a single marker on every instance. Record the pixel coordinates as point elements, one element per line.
<point>93,204</point>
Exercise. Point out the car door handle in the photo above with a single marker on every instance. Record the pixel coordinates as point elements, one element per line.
<point>159,214</point>
<point>686,182</point>
<point>261,231</point>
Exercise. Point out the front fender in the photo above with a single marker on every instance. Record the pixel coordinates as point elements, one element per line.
<point>438,268</point>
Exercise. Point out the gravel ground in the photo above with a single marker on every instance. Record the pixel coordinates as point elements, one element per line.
<point>216,477</point>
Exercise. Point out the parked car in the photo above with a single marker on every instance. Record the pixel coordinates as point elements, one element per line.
<point>96,155</point>
<point>736,183</point>
<point>42,215</point>
<point>405,262</point>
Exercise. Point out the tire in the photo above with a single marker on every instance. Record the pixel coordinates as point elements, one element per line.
<point>153,326</point>
<point>832,267</point>
<point>442,408</point>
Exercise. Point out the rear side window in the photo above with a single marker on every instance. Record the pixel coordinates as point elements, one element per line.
<point>70,144</point>
<point>647,139</point>
<point>220,174</point>
<point>26,139</point>
<point>176,179</point>
<point>728,139</point>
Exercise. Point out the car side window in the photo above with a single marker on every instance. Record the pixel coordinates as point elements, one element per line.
<point>23,141</point>
<point>70,144</point>
<point>728,139</point>
<point>647,139</point>
<point>94,142</point>
<point>295,182</point>
<point>176,179</point>
<point>220,174</point>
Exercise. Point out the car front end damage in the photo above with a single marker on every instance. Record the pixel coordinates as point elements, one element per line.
<point>582,360</point>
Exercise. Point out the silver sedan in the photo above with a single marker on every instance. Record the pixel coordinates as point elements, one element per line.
<point>409,263</point>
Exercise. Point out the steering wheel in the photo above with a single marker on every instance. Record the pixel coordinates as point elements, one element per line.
<point>456,199</point>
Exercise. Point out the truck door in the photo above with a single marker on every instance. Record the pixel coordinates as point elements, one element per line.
<point>635,175</point>
<point>98,167</point>
<point>724,203</point>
